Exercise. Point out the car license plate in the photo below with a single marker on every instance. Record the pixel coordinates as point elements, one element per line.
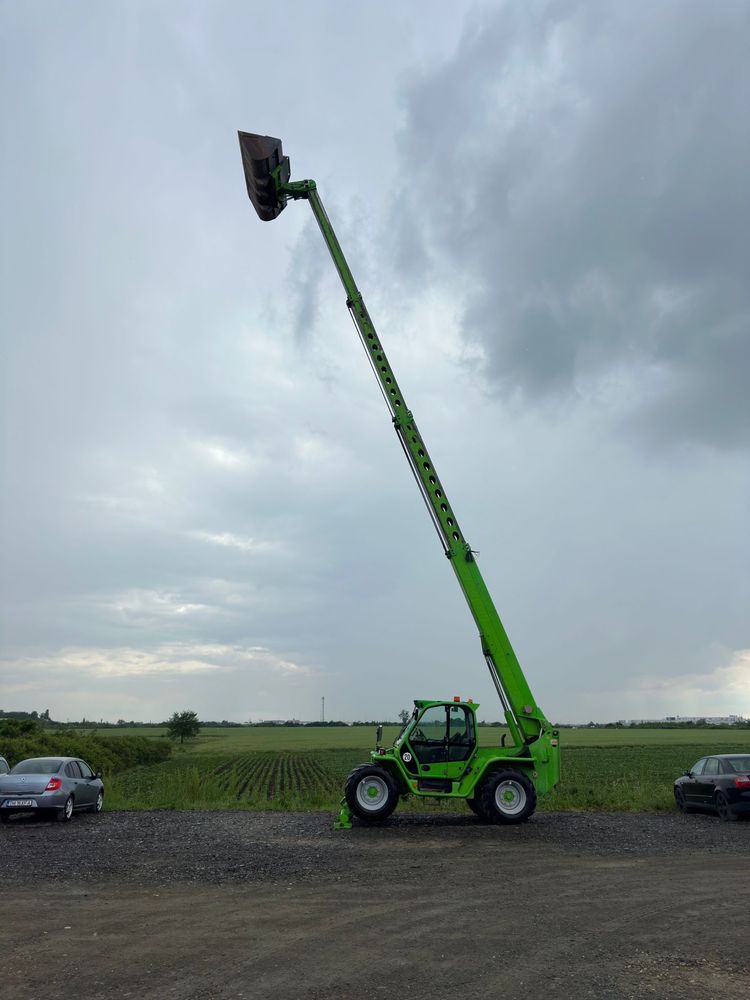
<point>25,803</point>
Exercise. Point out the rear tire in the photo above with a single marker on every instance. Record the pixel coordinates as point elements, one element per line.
<point>724,809</point>
<point>507,797</point>
<point>65,815</point>
<point>371,792</point>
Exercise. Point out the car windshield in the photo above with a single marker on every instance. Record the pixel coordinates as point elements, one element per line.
<point>39,765</point>
<point>739,764</point>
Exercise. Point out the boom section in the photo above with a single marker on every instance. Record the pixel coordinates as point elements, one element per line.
<point>524,718</point>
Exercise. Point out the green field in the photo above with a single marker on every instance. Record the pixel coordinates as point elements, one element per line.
<point>285,768</point>
<point>238,740</point>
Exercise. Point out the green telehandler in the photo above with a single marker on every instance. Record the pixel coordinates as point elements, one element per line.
<point>437,753</point>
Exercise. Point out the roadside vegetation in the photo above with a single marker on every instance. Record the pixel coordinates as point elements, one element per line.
<point>22,738</point>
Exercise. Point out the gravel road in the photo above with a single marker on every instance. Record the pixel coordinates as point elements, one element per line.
<point>262,905</point>
<point>161,848</point>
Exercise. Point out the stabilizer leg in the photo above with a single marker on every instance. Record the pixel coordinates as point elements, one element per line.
<point>344,819</point>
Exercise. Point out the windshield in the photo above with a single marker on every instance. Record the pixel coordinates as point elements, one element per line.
<point>39,765</point>
<point>739,764</point>
<point>405,726</point>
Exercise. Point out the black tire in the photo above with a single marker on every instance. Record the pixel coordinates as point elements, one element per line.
<point>723,808</point>
<point>65,815</point>
<point>680,802</point>
<point>98,804</point>
<point>475,805</point>
<point>371,792</point>
<point>507,797</point>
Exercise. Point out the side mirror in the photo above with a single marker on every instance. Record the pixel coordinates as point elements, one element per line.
<point>378,737</point>
<point>688,774</point>
<point>98,774</point>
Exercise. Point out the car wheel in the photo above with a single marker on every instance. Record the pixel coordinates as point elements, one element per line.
<point>723,808</point>
<point>65,815</point>
<point>507,797</point>
<point>371,792</point>
<point>99,804</point>
<point>679,797</point>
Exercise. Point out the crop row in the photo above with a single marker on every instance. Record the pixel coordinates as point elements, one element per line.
<point>284,775</point>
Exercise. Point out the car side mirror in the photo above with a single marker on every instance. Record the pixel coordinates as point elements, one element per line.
<point>98,774</point>
<point>688,774</point>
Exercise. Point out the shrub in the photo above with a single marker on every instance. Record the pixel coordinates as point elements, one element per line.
<point>24,738</point>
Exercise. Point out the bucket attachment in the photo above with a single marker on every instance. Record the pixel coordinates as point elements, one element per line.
<point>261,156</point>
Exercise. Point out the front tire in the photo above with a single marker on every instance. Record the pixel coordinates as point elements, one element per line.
<point>99,804</point>
<point>680,802</point>
<point>724,809</point>
<point>507,797</point>
<point>371,792</point>
<point>475,805</point>
<point>65,815</point>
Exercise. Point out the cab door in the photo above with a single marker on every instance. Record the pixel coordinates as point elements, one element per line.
<point>429,742</point>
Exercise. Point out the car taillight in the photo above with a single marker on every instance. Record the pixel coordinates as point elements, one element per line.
<point>53,784</point>
<point>743,782</point>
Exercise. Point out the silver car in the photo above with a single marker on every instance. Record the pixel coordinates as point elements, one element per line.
<point>4,766</point>
<point>50,786</point>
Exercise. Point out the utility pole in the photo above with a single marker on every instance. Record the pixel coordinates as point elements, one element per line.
<point>323,709</point>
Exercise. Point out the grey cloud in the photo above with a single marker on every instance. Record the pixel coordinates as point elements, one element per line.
<point>578,172</point>
<point>197,456</point>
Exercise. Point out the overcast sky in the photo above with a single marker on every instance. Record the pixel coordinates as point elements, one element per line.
<point>204,504</point>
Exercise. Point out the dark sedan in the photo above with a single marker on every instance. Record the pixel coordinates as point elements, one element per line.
<point>720,783</point>
<point>54,786</point>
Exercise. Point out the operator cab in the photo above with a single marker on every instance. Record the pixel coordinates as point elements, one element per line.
<point>438,740</point>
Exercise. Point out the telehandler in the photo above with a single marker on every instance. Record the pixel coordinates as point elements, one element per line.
<point>437,753</point>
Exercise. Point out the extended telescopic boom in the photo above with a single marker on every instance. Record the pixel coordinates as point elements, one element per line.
<point>267,173</point>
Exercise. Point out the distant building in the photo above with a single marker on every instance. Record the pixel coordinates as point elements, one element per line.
<point>709,720</point>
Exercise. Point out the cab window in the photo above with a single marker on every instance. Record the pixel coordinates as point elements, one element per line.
<point>460,732</point>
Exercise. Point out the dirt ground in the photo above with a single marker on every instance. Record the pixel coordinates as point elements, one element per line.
<point>267,905</point>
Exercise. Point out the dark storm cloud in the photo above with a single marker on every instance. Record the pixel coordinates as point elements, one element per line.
<point>579,171</point>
